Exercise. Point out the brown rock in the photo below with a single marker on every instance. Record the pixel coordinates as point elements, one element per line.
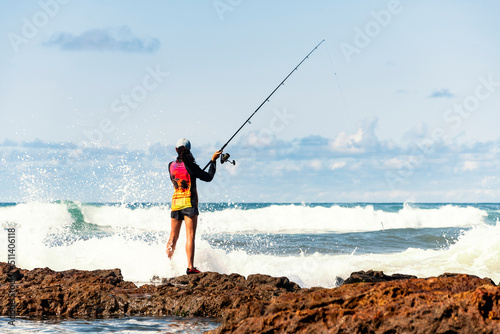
<point>374,276</point>
<point>209,294</point>
<point>447,304</point>
<point>79,293</point>
<point>450,303</point>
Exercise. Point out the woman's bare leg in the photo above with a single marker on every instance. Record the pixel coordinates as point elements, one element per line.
<point>174,235</point>
<point>191,223</point>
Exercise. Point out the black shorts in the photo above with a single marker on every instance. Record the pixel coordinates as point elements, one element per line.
<point>180,214</point>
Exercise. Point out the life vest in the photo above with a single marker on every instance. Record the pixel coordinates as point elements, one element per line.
<point>182,186</point>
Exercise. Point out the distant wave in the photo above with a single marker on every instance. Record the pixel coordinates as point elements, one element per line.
<point>304,219</point>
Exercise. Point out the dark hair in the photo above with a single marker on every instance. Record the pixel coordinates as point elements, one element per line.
<point>184,155</point>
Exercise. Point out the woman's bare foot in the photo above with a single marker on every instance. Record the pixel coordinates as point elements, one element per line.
<point>170,251</point>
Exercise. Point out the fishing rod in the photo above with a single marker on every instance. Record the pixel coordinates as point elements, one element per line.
<point>225,157</point>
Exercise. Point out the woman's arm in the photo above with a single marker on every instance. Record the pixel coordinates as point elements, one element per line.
<point>195,171</point>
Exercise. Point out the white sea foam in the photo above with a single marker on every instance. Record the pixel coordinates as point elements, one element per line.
<point>36,218</point>
<point>155,218</point>
<point>305,219</point>
<point>476,252</point>
<point>272,219</point>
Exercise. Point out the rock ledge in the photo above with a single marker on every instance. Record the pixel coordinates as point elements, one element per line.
<point>367,302</point>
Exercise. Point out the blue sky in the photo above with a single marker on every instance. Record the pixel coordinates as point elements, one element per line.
<point>399,104</point>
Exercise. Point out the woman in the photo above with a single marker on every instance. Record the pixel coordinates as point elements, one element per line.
<point>183,173</point>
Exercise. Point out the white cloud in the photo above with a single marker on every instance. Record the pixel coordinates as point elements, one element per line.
<point>277,168</point>
<point>338,165</point>
<point>470,165</point>
<point>418,132</point>
<point>347,143</point>
<point>257,140</point>
<point>316,164</point>
<point>362,141</point>
<point>287,169</point>
<point>394,163</point>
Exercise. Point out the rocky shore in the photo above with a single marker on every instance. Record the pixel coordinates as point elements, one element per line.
<point>367,302</point>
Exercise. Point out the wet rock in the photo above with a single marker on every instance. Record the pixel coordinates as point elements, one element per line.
<point>9,273</point>
<point>451,303</point>
<point>43,292</point>
<point>374,276</point>
<point>209,294</point>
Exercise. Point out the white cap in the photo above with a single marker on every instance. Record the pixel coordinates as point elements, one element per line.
<point>183,142</point>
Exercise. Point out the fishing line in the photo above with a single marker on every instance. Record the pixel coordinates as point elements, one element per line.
<point>225,157</point>
<point>340,88</point>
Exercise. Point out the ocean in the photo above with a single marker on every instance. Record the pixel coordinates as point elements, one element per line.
<point>313,244</point>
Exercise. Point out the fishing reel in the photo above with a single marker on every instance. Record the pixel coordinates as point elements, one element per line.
<point>225,158</point>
